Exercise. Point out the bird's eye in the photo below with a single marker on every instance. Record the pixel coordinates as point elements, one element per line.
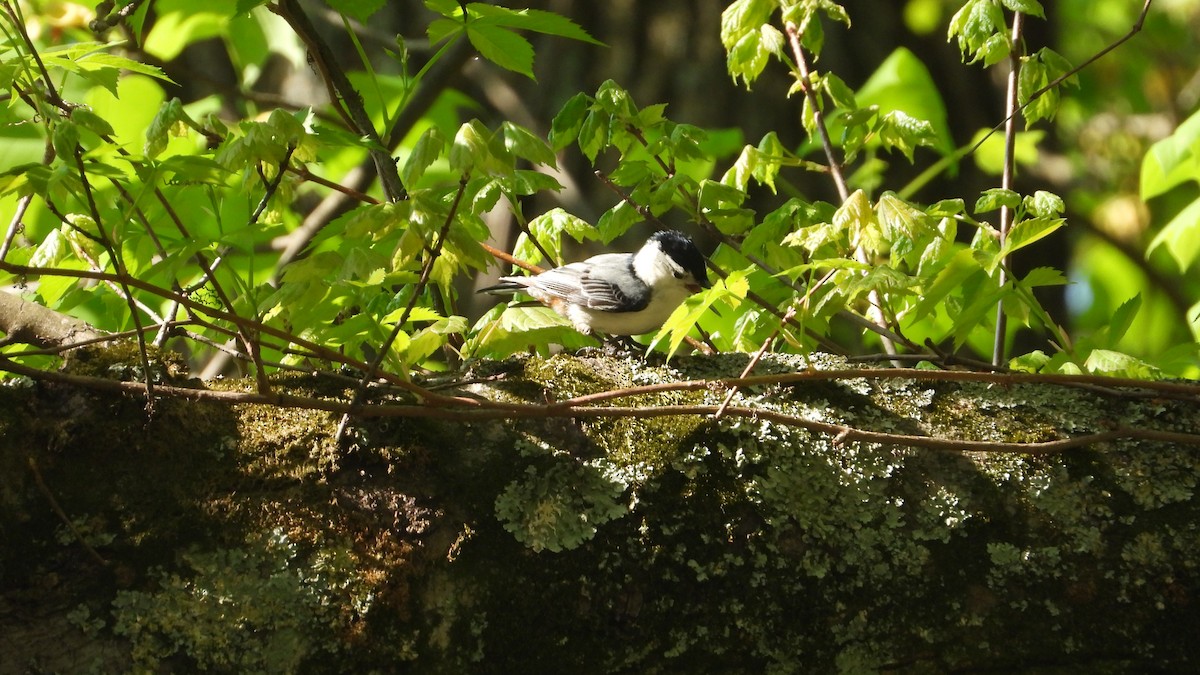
<point>679,275</point>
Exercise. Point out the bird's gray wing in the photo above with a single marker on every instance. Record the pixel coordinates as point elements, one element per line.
<point>609,285</point>
<point>604,283</point>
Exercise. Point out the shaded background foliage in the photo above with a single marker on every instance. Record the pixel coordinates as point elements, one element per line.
<point>670,52</point>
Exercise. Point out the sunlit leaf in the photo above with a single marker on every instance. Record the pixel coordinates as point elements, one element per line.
<point>994,198</point>
<point>425,152</point>
<point>566,124</point>
<point>503,47</point>
<point>1181,237</point>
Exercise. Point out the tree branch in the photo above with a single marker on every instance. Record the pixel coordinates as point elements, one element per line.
<point>25,322</point>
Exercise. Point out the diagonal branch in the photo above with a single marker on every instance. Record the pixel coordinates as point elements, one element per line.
<point>835,170</point>
<point>335,77</point>
<point>386,347</point>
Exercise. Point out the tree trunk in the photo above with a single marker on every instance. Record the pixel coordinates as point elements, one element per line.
<point>240,538</point>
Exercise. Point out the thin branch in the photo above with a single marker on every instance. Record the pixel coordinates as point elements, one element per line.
<point>318,351</point>
<point>332,72</point>
<point>62,515</point>
<point>493,411</point>
<point>814,103</point>
<point>118,265</point>
<point>1006,180</point>
<point>835,170</point>
<point>22,206</point>
<point>1134,30</point>
<point>417,291</point>
<point>18,20</point>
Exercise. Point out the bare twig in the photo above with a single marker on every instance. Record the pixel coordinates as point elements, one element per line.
<point>343,91</point>
<point>13,10</point>
<point>835,170</point>
<point>766,345</point>
<point>118,263</point>
<point>417,290</point>
<point>814,103</point>
<point>491,410</point>
<point>62,515</point>
<point>22,206</point>
<point>1134,30</point>
<point>1006,179</point>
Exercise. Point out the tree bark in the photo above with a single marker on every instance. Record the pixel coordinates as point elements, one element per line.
<point>240,538</point>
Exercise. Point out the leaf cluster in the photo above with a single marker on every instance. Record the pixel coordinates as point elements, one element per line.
<point>165,219</point>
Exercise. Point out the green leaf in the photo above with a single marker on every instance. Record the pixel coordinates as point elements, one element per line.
<point>902,82</point>
<point>947,208</point>
<point>684,318</point>
<point>617,221</point>
<point>856,219</point>
<point>447,8</point>
<point>615,100</point>
<point>425,152</point>
<point>548,229</point>
<point>714,195</point>
<point>1172,161</point>
<point>751,53</point>
<point>899,218</point>
<point>536,20</point>
<point>1122,319</point>
<point>1025,233</point>
<point>1037,71</point>
<point>1030,7</point>
<point>470,147</point>
<point>524,182</point>
<point>994,198</point>
<point>503,48</point>
<point>65,139</point>
<point>114,62</point>
<point>524,144</point>
<point>1107,362</point>
<point>358,9</point>
<point>594,134</point>
<point>1181,237</point>
<point>949,279</point>
<point>567,123</point>
<point>1043,276</point>
<point>976,25</point>
<point>1044,204</point>
<point>771,155</point>
<point>745,33</point>
<point>89,120</point>
<point>899,130</point>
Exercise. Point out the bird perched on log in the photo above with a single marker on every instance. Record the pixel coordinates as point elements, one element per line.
<point>618,293</point>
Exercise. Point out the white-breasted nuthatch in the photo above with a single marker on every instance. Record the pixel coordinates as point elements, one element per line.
<point>618,293</point>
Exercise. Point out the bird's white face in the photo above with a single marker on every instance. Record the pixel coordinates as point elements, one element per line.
<point>659,271</point>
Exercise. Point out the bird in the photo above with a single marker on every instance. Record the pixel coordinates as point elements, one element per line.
<point>619,294</point>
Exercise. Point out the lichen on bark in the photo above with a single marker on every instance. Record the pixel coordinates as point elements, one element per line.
<point>242,538</point>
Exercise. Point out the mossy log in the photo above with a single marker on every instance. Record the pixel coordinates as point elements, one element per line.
<point>242,538</point>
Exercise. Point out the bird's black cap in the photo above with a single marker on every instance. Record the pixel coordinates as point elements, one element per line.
<point>680,248</point>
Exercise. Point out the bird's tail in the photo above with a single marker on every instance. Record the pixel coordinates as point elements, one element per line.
<point>507,286</point>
